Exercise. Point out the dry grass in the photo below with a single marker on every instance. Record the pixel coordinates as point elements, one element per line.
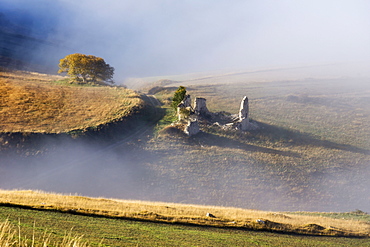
<point>311,154</point>
<point>185,213</point>
<point>34,103</point>
<point>12,236</point>
<point>337,109</point>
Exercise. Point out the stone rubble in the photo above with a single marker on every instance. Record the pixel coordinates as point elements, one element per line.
<point>192,128</point>
<point>223,120</point>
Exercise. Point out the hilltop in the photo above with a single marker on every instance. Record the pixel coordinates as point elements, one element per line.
<point>35,107</point>
<point>40,103</point>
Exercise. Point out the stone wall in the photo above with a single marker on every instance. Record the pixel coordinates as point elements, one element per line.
<point>200,112</point>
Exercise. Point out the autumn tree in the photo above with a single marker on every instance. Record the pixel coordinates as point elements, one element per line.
<point>178,96</point>
<point>86,68</point>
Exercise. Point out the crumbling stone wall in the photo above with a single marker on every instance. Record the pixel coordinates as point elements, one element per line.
<point>184,108</point>
<point>192,128</point>
<point>200,112</point>
<point>200,107</point>
<point>244,114</point>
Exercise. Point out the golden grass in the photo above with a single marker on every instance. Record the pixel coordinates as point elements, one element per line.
<point>12,236</point>
<point>185,213</point>
<point>34,103</point>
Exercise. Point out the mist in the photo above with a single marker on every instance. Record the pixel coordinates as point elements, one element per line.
<point>152,38</point>
<point>162,38</point>
<point>127,170</point>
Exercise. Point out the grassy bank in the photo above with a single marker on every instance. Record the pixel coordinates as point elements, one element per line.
<point>143,224</point>
<point>37,103</point>
<point>235,218</point>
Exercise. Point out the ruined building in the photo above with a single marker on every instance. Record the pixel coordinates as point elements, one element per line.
<point>200,107</point>
<point>201,113</point>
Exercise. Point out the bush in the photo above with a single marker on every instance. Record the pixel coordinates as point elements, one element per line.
<point>178,97</point>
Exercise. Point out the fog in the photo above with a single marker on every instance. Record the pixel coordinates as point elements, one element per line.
<point>162,38</point>
<point>127,170</point>
<point>151,38</point>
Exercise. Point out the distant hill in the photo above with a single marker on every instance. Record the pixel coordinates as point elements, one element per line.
<point>22,46</point>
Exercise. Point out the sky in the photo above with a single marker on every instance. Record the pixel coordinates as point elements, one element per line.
<point>163,37</point>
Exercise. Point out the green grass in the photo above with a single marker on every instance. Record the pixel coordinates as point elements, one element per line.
<point>168,118</point>
<point>116,232</point>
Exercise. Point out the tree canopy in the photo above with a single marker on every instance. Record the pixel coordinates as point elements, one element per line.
<point>178,96</point>
<point>86,68</point>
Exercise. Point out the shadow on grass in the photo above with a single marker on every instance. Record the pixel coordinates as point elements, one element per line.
<point>225,142</point>
<point>278,134</point>
<point>267,134</point>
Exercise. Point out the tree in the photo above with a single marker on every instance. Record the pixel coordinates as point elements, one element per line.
<point>86,68</point>
<point>178,96</point>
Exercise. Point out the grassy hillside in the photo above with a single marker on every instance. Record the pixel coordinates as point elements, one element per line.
<point>136,223</point>
<point>39,103</point>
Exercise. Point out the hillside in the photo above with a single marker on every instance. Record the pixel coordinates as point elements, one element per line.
<point>40,103</point>
<point>311,152</point>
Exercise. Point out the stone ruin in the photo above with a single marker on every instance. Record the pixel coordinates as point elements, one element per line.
<point>184,107</point>
<point>192,128</point>
<point>244,114</point>
<point>200,107</point>
<point>201,113</point>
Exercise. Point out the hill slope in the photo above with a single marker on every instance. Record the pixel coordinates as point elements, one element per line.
<point>36,103</point>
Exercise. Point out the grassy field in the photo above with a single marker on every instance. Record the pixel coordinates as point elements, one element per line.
<point>311,152</point>
<point>137,223</point>
<point>39,103</point>
<point>115,232</point>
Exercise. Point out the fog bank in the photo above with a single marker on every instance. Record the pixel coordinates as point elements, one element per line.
<point>162,37</point>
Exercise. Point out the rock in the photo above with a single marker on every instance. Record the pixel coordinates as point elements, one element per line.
<point>210,215</point>
<point>186,101</point>
<point>184,108</point>
<point>192,128</point>
<point>200,107</point>
<point>244,114</point>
